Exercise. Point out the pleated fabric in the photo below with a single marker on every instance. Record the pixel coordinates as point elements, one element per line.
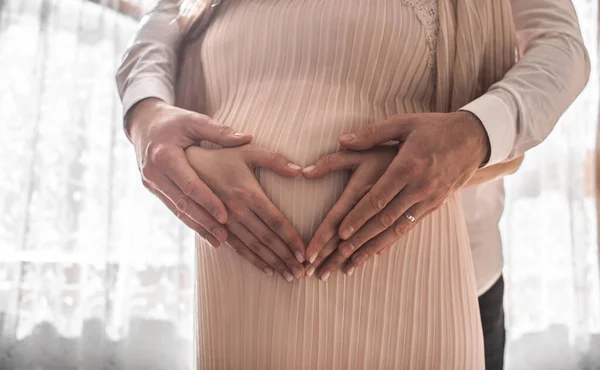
<point>412,308</point>
<point>297,74</point>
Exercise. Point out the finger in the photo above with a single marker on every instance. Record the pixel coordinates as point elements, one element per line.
<point>261,250</point>
<point>277,223</point>
<point>185,205</point>
<point>187,221</point>
<point>178,169</point>
<point>328,228</point>
<point>400,228</point>
<point>385,249</point>
<point>248,254</point>
<point>269,238</point>
<point>329,248</point>
<point>332,163</point>
<point>361,258</point>
<point>380,222</point>
<point>385,189</point>
<point>396,128</point>
<point>331,264</point>
<point>200,127</point>
<point>276,162</point>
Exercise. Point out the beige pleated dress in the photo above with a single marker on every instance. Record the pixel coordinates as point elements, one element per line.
<point>297,74</point>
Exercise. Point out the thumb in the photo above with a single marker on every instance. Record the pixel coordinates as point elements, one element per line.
<point>332,163</point>
<point>395,128</point>
<point>199,127</point>
<point>260,157</point>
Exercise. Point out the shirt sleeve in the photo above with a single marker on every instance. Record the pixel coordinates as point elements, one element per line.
<point>149,66</point>
<point>521,110</point>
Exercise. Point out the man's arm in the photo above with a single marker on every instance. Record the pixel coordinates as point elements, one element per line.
<point>521,110</point>
<point>440,152</point>
<point>149,66</point>
<point>161,133</point>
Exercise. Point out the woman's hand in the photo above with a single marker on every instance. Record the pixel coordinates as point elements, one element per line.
<point>494,172</point>
<point>253,219</point>
<point>367,167</point>
<point>160,134</point>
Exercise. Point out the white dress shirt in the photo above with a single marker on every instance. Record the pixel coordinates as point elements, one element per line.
<point>518,112</point>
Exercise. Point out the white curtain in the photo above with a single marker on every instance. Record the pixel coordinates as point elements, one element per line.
<point>94,272</point>
<point>549,229</point>
<point>97,274</point>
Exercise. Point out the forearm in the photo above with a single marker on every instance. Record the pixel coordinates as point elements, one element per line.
<point>520,111</point>
<point>149,66</point>
<point>141,111</point>
<point>494,172</point>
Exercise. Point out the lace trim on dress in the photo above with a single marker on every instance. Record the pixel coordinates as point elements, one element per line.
<point>426,11</point>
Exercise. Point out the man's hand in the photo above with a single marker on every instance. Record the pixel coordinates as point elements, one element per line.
<point>262,231</point>
<point>367,167</point>
<point>439,153</point>
<point>160,134</point>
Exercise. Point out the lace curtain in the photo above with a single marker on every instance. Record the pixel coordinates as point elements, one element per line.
<point>95,273</point>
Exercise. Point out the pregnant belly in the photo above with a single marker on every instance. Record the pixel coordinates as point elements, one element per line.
<point>305,203</point>
<point>303,129</point>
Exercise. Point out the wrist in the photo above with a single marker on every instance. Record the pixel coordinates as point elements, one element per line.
<point>140,114</point>
<point>477,135</point>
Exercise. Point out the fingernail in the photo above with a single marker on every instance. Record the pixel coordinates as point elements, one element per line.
<point>299,257</point>
<point>310,271</point>
<point>268,271</point>
<point>294,166</point>
<point>346,249</point>
<point>240,134</point>
<point>287,276</point>
<point>309,169</point>
<point>312,257</point>
<point>348,137</point>
<point>347,232</point>
<point>350,271</point>
<point>360,258</point>
<point>325,275</point>
<point>297,272</point>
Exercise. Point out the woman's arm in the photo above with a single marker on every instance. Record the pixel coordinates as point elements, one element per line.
<point>494,172</point>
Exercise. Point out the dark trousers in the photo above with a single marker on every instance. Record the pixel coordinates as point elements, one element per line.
<point>492,320</point>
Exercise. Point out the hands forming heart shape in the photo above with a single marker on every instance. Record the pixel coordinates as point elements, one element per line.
<point>215,192</point>
<point>258,230</point>
<point>390,188</point>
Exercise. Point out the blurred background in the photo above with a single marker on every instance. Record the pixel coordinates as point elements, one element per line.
<point>95,273</point>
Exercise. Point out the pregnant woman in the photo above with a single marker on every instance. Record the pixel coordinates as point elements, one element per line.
<point>296,75</point>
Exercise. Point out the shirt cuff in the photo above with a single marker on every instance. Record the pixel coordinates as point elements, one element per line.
<point>499,120</point>
<point>147,87</point>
